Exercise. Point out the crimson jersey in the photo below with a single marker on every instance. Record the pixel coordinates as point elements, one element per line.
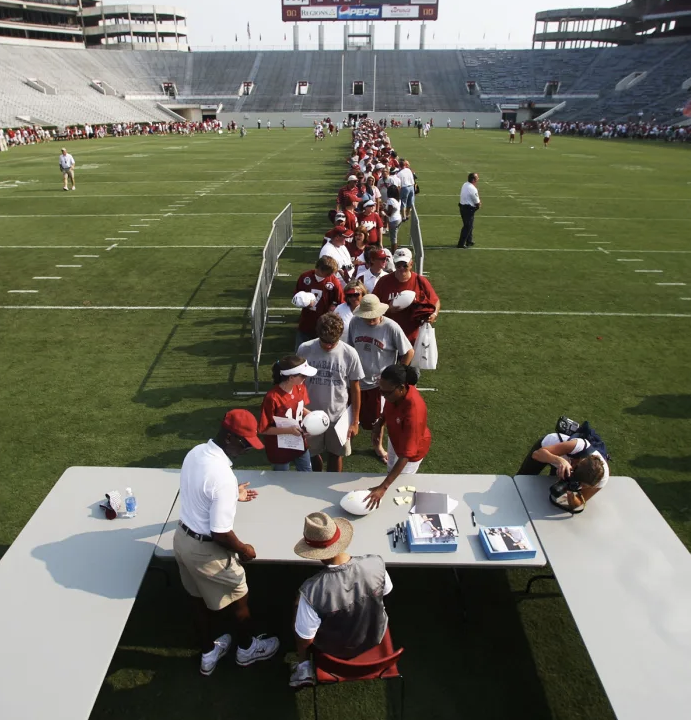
<point>328,293</point>
<point>406,423</point>
<point>351,220</point>
<point>372,224</point>
<point>278,403</point>
<point>388,288</point>
<point>347,192</point>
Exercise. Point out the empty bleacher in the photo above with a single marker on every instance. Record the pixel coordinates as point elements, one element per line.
<point>587,79</point>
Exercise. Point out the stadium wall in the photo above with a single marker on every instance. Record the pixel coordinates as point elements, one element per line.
<point>249,120</point>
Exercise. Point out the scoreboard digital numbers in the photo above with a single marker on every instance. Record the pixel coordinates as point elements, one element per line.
<point>350,10</point>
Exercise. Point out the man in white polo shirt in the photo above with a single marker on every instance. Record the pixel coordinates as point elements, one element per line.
<point>469,204</point>
<point>207,549</point>
<point>407,180</point>
<point>67,168</point>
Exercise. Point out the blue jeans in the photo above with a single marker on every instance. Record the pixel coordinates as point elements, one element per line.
<point>302,464</point>
<point>407,196</point>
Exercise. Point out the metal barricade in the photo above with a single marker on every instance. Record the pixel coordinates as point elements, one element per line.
<point>281,234</point>
<point>416,242</point>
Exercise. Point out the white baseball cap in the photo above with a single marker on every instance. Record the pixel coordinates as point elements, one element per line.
<point>402,255</point>
<point>369,203</point>
<point>352,177</point>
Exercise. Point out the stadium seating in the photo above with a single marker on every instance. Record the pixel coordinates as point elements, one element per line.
<point>587,79</point>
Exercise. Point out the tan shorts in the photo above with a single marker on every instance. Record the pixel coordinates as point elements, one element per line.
<point>328,442</point>
<point>209,571</point>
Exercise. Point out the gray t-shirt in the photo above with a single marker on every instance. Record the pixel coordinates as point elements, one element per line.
<point>328,389</point>
<point>377,347</point>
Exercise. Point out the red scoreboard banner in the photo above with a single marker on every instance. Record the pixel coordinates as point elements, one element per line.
<point>351,10</point>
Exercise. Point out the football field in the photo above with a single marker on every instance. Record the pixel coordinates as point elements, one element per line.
<point>125,334</point>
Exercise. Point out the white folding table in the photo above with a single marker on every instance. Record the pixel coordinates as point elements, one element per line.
<point>626,577</point>
<point>273,522</point>
<point>69,582</point>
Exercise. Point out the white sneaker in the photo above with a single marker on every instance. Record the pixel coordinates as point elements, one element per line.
<point>262,648</point>
<point>74,187</point>
<point>302,675</point>
<point>210,659</point>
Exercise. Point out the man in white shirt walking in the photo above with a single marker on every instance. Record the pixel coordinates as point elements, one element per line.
<point>207,549</point>
<point>407,180</point>
<point>67,168</point>
<point>469,204</point>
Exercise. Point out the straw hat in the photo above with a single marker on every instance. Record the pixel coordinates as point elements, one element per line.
<point>324,537</point>
<point>370,307</point>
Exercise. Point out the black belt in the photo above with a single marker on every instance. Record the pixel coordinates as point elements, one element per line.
<point>195,535</point>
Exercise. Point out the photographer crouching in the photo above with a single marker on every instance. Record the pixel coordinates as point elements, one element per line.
<point>577,456</point>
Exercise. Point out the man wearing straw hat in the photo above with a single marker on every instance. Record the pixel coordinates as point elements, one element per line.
<point>379,342</point>
<point>341,609</point>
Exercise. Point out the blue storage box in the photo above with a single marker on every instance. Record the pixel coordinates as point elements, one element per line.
<point>432,533</point>
<point>506,543</point>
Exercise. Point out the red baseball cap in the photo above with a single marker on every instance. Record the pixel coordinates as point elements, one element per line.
<point>342,230</point>
<point>243,424</point>
<point>377,255</point>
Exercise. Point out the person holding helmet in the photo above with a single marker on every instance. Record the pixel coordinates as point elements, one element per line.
<point>336,249</point>
<point>286,399</point>
<point>410,313</point>
<point>405,418</point>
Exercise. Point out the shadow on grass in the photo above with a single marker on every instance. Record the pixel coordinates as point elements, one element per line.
<point>666,406</point>
<point>3,550</point>
<point>481,666</point>
<point>673,500</point>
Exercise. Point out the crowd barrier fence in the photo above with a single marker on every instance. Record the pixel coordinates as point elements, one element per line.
<point>279,238</point>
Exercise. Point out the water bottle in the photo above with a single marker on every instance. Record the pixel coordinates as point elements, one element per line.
<point>130,504</point>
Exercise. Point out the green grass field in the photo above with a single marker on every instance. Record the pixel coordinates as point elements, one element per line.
<point>551,313</point>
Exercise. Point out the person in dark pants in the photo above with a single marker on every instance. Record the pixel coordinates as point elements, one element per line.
<point>469,204</point>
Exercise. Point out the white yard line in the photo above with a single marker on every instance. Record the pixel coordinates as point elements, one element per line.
<point>648,271</point>
<point>69,266</point>
<point>585,235</point>
<point>629,259</point>
<point>236,308</point>
<point>89,256</point>
<point>672,284</point>
<point>22,291</point>
<point>46,277</point>
<point>114,245</point>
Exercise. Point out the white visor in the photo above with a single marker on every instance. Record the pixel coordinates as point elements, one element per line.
<point>303,369</point>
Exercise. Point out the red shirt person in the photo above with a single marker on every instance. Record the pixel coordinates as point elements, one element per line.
<point>348,190</point>
<point>287,399</point>
<point>405,418</point>
<point>323,284</point>
<point>372,223</point>
<point>389,288</point>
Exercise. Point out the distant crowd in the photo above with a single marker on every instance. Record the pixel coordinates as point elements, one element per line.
<point>31,135</point>
<point>639,130</point>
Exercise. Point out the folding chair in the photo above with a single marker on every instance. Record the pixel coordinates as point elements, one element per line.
<point>377,663</point>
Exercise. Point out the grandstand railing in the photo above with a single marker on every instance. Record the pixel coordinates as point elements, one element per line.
<point>416,242</point>
<point>281,234</point>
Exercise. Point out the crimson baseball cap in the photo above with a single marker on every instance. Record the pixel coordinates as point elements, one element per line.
<point>377,255</point>
<point>342,230</point>
<point>243,424</point>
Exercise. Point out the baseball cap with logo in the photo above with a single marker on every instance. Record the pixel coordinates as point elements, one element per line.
<point>243,424</point>
<point>377,255</point>
<point>342,230</point>
<point>402,255</point>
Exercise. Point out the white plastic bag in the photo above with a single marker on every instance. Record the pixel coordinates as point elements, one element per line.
<point>425,348</point>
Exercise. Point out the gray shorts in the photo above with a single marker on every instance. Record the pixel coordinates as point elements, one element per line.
<point>328,442</point>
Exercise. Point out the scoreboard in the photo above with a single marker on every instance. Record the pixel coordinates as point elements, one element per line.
<point>351,10</point>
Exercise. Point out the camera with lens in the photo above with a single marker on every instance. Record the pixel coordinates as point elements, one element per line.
<point>562,486</point>
<point>566,426</point>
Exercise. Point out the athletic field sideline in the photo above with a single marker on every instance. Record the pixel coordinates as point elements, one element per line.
<point>125,333</point>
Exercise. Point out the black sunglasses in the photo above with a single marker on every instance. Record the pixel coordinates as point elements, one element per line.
<point>246,445</point>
